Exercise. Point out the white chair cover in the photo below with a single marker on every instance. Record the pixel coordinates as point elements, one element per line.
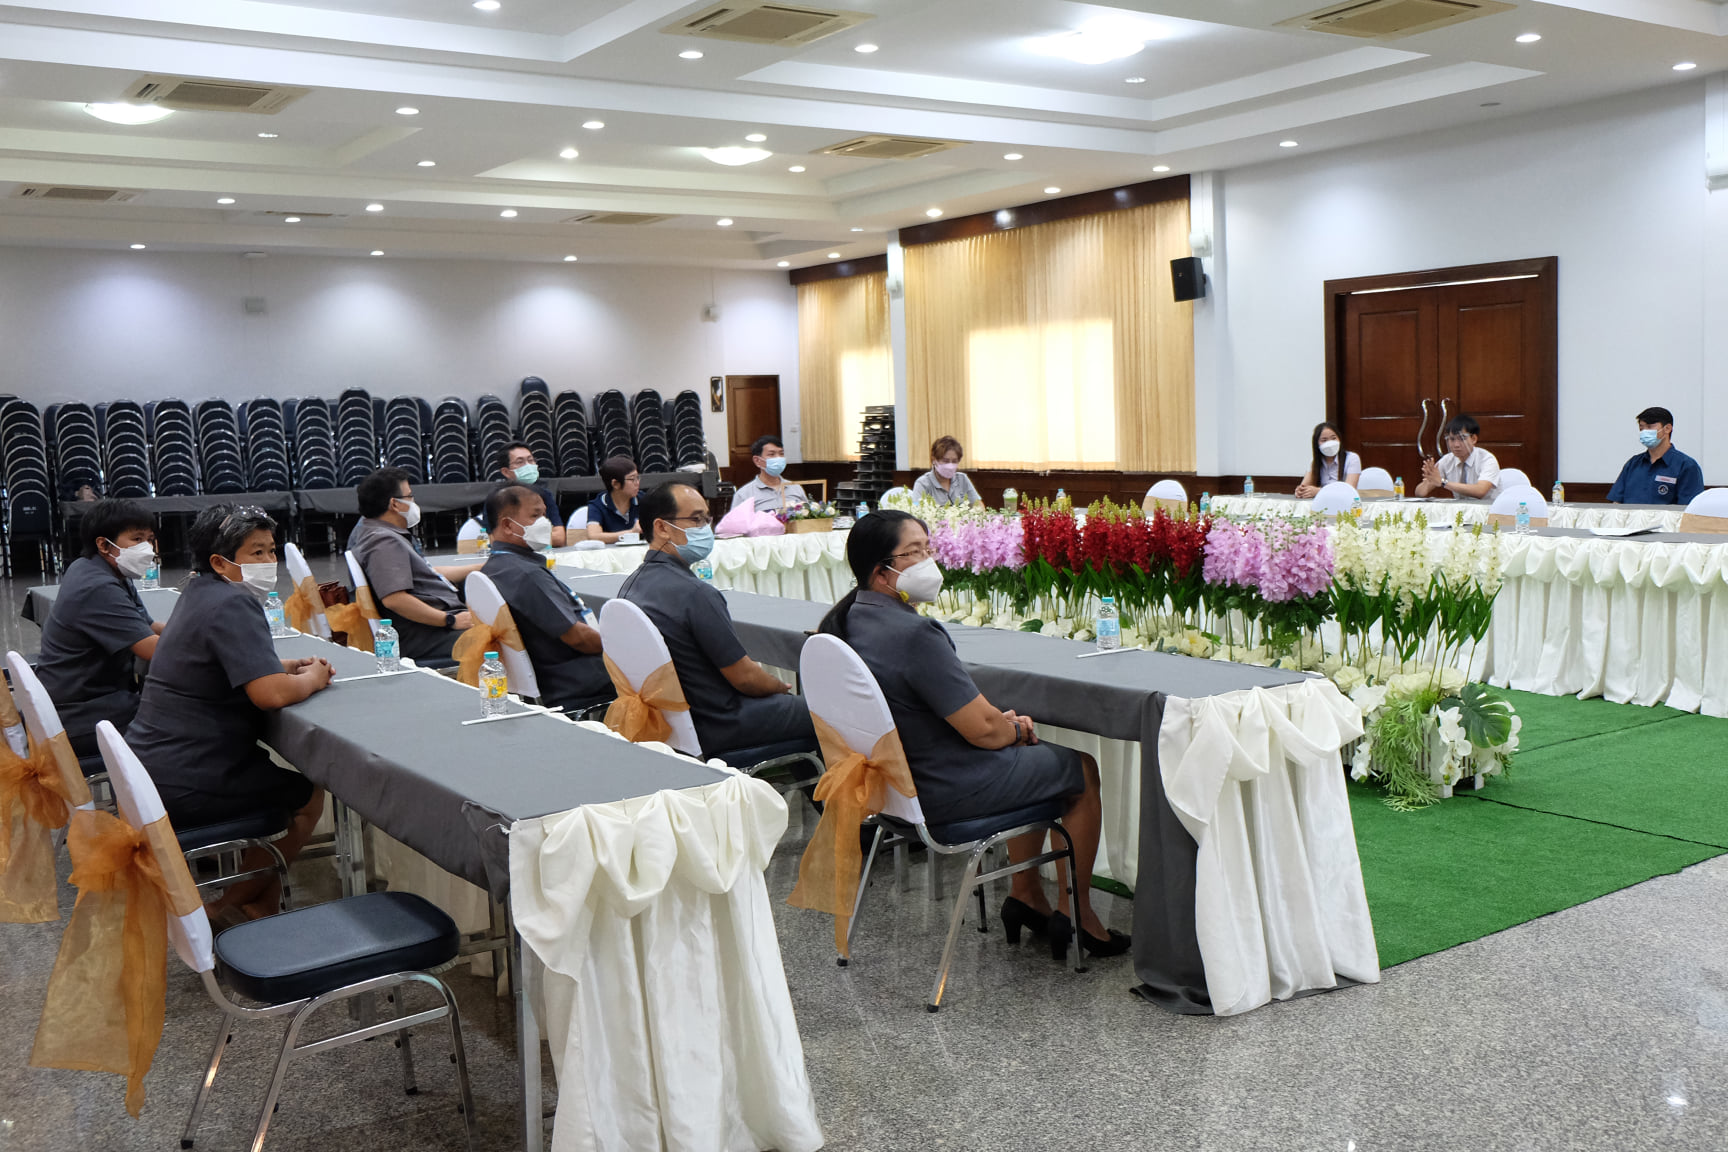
<point>358,575</point>
<point>577,521</point>
<point>1375,482</point>
<point>139,803</point>
<point>1166,494</point>
<point>897,492</point>
<point>42,720</point>
<point>1336,497</point>
<point>468,536</point>
<point>1710,502</point>
<point>839,688</point>
<point>484,601</point>
<point>299,571</point>
<point>1514,478</point>
<point>637,648</point>
<point>1506,504</point>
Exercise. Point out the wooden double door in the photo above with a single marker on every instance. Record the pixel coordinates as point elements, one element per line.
<point>1480,340</point>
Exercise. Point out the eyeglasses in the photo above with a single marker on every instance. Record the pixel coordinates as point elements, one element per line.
<point>1458,438</point>
<point>699,520</point>
<point>916,554</point>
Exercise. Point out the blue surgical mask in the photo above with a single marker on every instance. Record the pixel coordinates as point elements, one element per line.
<point>527,473</point>
<point>1649,437</point>
<point>698,542</point>
<point>774,466</point>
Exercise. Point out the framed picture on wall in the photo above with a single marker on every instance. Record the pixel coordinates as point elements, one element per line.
<point>717,393</point>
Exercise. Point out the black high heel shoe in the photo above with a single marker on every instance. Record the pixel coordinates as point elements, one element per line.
<point>1112,945</point>
<point>1060,932</point>
<point>1017,914</point>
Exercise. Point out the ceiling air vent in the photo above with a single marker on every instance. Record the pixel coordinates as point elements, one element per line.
<point>767,23</point>
<point>73,193</point>
<point>304,215</point>
<point>889,147</point>
<point>192,95</point>
<point>617,218</point>
<point>1387,19</point>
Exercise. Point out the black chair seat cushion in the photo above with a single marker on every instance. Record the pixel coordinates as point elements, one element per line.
<point>311,951</point>
<point>255,826</point>
<point>748,758</point>
<point>979,827</point>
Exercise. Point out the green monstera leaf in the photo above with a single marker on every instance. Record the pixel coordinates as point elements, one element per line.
<point>1031,625</point>
<point>1485,717</point>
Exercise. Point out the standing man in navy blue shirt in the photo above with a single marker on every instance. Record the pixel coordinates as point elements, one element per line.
<point>1661,474</point>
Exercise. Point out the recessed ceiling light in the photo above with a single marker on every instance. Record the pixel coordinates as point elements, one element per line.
<point>1685,66</point>
<point>1052,190</point>
<point>488,5</point>
<point>1134,80</point>
<point>689,54</point>
<point>724,222</point>
<point>1287,144</point>
<point>137,247</point>
<point>1087,47</point>
<point>932,212</point>
<point>783,264</point>
<point>1160,167</point>
<point>796,168</point>
<point>129,113</point>
<point>568,154</point>
<point>1012,156</point>
<point>864,48</point>
<point>833,255</point>
<point>290,219</point>
<point>267,135</point>
<point>407,111</point>
<point>857,229</point>
<point>225,200</point>
<point>374,207</point>
<point>734,156</point>
<point>428,164</point>
<point>593,125</point>
<point>377,251</point>
<point>569,259</point>
<point>1529,38</point>
<point>756,137</point>
<point>508,213</point>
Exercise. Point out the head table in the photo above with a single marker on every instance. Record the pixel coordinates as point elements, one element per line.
<point>1618,517</point>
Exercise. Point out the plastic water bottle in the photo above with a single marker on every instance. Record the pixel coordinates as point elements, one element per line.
<point>1559,494</point>
<point>274,613</point>
<point>1109,625</point>
<point>863,509</point>
<point>485,541</point>
<point>1398,487</point>
<point>1523,518</point>
<point>494,687</point>
<point>1205,503</point>
<point>704,570</point>
<point>152,577</point>
<point>1010,501</point>
<point>1247,485</point>
<point>1061,495</point>
<point>384,646</point>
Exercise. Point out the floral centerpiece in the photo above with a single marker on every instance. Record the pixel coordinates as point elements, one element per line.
<point>808,516</point>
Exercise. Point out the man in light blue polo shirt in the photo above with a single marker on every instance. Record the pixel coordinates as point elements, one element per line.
<point>1661,474</point>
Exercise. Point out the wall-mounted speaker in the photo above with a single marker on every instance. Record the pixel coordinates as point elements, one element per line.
<point>1189,277</point>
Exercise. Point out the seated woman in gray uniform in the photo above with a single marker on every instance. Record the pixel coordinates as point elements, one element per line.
<point>213,681</point>
<point>98,631</point>
<point>969,758</point>
<point>735,703</point>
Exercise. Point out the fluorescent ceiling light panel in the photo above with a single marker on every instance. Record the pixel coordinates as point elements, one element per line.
<point>568,154</point>
<point>689,54</point>
<point>732,157</point>
<point>1087,47</point>
<point>594,125</point>
<point>129,114</point>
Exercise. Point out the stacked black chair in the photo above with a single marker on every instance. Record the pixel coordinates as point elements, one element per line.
<point>570,429</point>
<point>648,416</point>
<point>125,450</point>
<point>356,437</point>
<point>534,425</point>
<point>688,444</point>
<point>24,459</point>
<point>612,420</point>
<point>450,453</point>
<point>219,453</point>
<point>74,448</point>
<point>314,443</point>
<point>266,435</point>
<point>405,437</point>
<point>173,447</point>
<point>492,433</point>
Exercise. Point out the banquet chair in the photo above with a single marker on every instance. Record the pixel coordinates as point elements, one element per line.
<point>1504,511</point>
<point>1707,512</point>
<point>358,576</point>
<point>298,962</point>
<point>577,521</point>
<point>1166,494</point>
<point>299,572</point>
<point>485,602</point>
<point>468,536</point>
<point>42,726</point>
<point>638,651</point>
<point>222,843</point>
<point>841,690</point>
<point>1336,499</point>
<point>1514,478</point>
<point>1375,484</point>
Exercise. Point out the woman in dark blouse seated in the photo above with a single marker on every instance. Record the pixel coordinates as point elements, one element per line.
<point>214,676</point>
<point>613,511</point>
<point>968,758</point>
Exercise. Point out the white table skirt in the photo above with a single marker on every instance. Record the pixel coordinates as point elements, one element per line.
<point>1613,516</point>
<point>806,566</point>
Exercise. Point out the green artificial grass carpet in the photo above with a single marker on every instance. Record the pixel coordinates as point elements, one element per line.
<point>1600,797</point>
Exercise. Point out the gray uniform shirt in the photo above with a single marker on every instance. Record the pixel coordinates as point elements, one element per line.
<point>544,609</point>
<point>960,490</point>
<point>767,498</point>
<point>392,564</point>
<point>87,664</point>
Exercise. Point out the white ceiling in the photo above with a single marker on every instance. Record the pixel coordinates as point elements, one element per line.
<point>501,93</point>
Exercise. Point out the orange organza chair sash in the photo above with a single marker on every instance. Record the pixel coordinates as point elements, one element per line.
<point>353,618</point>
<point>640,716</point>
<point>8,708</point>
<point>472,645</point>
<point>105,998</point>
<point>299,605</point>
<point>33,801</point>
<point>853,787</point>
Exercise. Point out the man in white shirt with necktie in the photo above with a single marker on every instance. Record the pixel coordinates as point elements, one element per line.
<point>1465,470</point>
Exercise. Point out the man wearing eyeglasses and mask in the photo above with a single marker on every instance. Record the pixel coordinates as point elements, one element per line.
<point>735,703</point>
<point>557,634</point>
<point>98,629</point>
<point>419,600</point>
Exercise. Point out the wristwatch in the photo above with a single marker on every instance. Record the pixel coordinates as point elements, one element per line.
<point>449,619</point>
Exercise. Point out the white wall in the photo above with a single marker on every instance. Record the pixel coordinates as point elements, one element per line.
<point>94,326</point>
<point>1615,189</point>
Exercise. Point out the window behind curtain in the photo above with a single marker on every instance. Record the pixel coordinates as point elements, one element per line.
<point>844,361</point>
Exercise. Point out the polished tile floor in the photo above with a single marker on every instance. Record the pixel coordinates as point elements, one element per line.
<point>1601,1027</point>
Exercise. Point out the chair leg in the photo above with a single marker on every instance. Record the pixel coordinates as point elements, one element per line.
<point>967,880</point>
<point>224,1033</point>
<point>275,1091</point>
<point>460,1056</point>
<point>858,898</point>
<point>1074,900</point>
<point>902,876</point>
<point>933,876</point>
<point>983,919</point>
<point>404,1041</point>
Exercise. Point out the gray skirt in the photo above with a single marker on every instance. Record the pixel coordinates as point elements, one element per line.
<point>1038,773</point>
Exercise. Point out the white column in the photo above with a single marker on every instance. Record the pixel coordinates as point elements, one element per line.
<point>897,341</point>
<point>1213,379</point>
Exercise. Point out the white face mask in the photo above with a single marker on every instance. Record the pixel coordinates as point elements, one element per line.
<point>136,560</point>
<point>1329,448</point>
<point>410,513</point>
<point>538,534</point>
<point>260,579</point>
<point>922,582</point>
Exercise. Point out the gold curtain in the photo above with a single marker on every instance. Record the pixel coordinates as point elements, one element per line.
<point>844,361</point>
<point>1056,345</point>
